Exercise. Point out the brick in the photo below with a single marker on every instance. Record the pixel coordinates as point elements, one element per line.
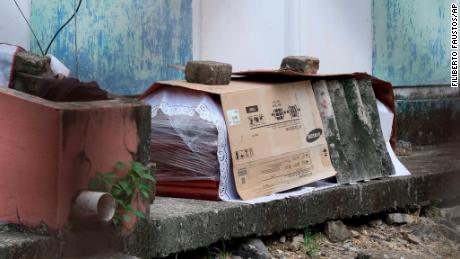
<point>301,64</point>
<point>208,72</point>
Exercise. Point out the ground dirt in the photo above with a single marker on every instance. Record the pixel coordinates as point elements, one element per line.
<point>421,239</point>
<point>426,235</point>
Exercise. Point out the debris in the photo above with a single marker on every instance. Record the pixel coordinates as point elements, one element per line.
<point>452,214</point>
<point>349,247</point>
<point>355,234</point>
<point>282,239</point>
<point>253,248</point>
<point>336,231</point>
<point>112,256</point>
<point>296,243</point>
<point>208,72</point>
<point>411,238</point>
<point>375,222</point>
<point>399,219</point>
<point>302,64</point>
<point>424,230</point>
<point>450,233</point>
<point>376,254</point>
<point>403,148</point>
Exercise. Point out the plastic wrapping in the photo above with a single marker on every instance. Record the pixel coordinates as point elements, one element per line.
<point>189,138</point>
<point>184,148</point>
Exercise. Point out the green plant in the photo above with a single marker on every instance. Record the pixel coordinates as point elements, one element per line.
<point>215,252</point>
<point>137,182</point>
<point>310,243</point>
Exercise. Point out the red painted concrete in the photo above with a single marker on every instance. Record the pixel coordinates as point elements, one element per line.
<point>49,151</point>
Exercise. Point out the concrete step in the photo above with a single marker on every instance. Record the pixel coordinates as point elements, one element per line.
<point>177,225</point>
<point>106,256</point>
<point>26,246</point>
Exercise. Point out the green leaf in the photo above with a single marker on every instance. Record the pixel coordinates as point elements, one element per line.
<point>108,181</point>
<point>148,177</point>
<point>110,175</point>
<point>138,168</point>
<point>126,187</point>
<point>116,191</point>
<point>120,166</point>
<point>126,218</point>
<point>145,194</point>
<point>139,214</point>
<point>123,204</point>
<point>94,184</point>
<point>144,187</point>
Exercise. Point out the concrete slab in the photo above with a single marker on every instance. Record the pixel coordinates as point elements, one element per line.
<point>26,246</point>
<point>50,151</point>
<point>178,225</point>
<point>349,113</point>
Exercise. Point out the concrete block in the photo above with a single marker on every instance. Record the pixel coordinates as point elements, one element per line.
<point>208,72</point>
<point>180,224</point>
<point>349,113</point>
<point>333,137</point>
<point>32,64</point>
<point>301,64</point>
<point>50,151</point>
<point>26,246</point>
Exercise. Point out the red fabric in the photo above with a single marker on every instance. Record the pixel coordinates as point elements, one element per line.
<point>150,90</point>
<point>19,49</point>
<point>203,190</point>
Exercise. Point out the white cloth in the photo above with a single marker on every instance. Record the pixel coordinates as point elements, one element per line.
<point>7,53</point>
<point>386,122</point>
<point>58,68</point>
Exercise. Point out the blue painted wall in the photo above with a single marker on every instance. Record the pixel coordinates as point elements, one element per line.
<point>411,41</point>
<point>125,45</point>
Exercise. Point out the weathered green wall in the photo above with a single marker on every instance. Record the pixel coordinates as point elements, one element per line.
<point>411,41</point>
<point>125,45</point>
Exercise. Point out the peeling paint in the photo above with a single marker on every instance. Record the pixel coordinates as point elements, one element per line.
<point>124,45</point>
<point>411,41</point>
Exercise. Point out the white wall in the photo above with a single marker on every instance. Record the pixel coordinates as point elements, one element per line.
<point>339,33</point>
<point>257,34</point>
<point>13,28</point>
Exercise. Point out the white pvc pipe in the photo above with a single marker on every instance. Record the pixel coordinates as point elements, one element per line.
<point>90,205</point>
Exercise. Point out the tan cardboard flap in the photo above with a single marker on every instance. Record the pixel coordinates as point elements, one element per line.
<point>234,86</point>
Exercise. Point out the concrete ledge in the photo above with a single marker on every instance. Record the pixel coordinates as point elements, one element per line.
<point>177,225</point>
<point>180,225</point>
<point>26,246</point>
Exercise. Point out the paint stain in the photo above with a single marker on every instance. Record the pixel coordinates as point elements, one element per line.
<point>411,41</point>
<point>124,45</point>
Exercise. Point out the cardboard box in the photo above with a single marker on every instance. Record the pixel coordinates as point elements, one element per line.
<point>275,134</point>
